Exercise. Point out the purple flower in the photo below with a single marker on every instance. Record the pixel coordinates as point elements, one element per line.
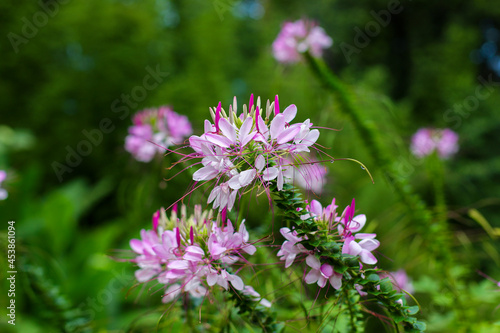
<point>3,192</point>
<point>427,140</point>
<point>154,130</point>
<point>298,37</point>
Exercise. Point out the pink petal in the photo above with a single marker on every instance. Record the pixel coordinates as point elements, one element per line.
<point>336,281</point>
<point>368,258</point>
<point>277,126</point>
<point>369,244</point>
<point>236,281</point>
<point>228,130</point>
<point>205,173</point>
<point>245,128</point>
<point>290,113</point>
<point>136,246</point>
<point>219,140</point>
<point>313,262</point>
<point>311,137</point>
<point>269,174</point>
<point>312,276</point>
<point>288,134</point>
<point>246,177</point>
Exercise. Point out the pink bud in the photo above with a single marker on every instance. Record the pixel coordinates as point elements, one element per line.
<point>276,105</point>
<point>174,208</point>
<point>257,115</point>
<point>178,237</point>
<point>191,235</point>
<point>217,117</point>
<point>156,219</point>
<point>250,103</point>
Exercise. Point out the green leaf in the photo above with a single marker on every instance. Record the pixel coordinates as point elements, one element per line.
<point>412,310</point>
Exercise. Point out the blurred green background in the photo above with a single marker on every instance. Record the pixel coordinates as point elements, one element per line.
<point>67,65</point>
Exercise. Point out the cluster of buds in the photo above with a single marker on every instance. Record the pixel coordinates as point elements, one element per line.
<point>190,254</point>
<point>154,130</point>
<point>343,229</point>
<point>254,146</point>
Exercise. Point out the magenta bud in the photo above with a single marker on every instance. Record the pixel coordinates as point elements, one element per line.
<point>174,208</point>
<point>257,115</point>
<point>178,237</point>
<point>156,219</point>
<point>276,105</point>
<point>191,235</point>
<point>217,116</point>
<point>223,216</point>
<point>250,103</point>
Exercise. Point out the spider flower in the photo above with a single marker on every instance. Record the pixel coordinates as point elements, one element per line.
<point>255,146</point>
<point>190,254</point>
<point>343,229</point>
<point>298,37</point>
<point>427,140</point>
<point>154,130</point>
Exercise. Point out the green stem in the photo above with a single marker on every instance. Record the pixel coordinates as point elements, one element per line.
<point>371,138</point>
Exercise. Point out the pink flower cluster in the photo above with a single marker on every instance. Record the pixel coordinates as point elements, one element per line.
<point>343,228</point>
<point>239,149</point>
<point>154,130</point>
<point>427,140</point>
<point>299,37</point>
<point>3,192</point>
<point>190,255</point>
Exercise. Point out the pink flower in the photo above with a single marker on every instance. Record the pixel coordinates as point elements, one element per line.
<point>427,140</point>
<point>298,37</point>
<point>363,248</point>
<point>239,151</point>
<point>322,273</point>
<point>154,130</point>
<point>190,254</point>
<point>290,249</point>
<point>3,192</point>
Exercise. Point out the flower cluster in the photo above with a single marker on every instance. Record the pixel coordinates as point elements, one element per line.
<point>3,192</point>
<point>343,229</point>
<point>298,37</point>
<point>154,130</point>
<point>256,145</point>
<point>426,140</point>
<point>191,254</point>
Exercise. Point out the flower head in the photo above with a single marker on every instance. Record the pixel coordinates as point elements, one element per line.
<point>255,146</point>
<point>298,37</point>
<point>154,130</point>
<point>427,140</point>
<point>190,254</point>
